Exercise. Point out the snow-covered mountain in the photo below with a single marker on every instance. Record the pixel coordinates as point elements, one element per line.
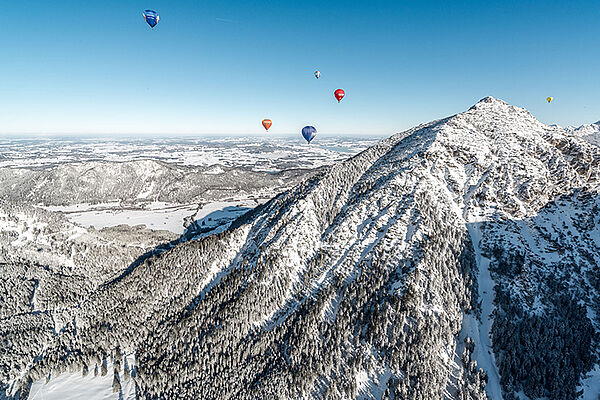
<point>456,260</point>
<point>587,129</point>
<point>138,181</point>
<point>590,132</point>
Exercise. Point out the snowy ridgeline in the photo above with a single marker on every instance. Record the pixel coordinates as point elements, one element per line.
<point>138,182</point>
<point>456,260</point>
<point>590,132</point>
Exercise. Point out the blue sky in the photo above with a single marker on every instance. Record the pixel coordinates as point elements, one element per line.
<point>91,67</point>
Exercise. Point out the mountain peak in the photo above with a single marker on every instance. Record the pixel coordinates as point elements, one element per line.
<point>490,99</point>
<point>490,102</point>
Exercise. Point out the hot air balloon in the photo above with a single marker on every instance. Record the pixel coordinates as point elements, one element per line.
<point>309,133</point>
<point>267,123</point>
<point>317,74</point>
<point>339,94</point>
<point>549,99</point>
<point>151,17</point>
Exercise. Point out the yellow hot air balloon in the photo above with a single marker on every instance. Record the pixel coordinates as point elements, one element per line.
<point>549,99</point>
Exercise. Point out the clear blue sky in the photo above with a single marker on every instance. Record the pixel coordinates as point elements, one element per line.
<point>213,67</point>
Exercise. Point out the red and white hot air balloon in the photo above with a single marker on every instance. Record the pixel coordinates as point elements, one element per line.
<point>339,94</point>
<point>267,123</point>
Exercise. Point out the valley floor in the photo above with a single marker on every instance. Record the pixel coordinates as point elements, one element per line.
<point>155,215</point>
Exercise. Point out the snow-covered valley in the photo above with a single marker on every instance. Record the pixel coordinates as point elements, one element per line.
<point>155,215</point>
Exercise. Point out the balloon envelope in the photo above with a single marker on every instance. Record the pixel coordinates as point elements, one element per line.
<point>309,133</point>
<point>549,99</point>
<point>317,74</point>
<point>339,94</point>
<point>267,123</point>
<point>151,17</point>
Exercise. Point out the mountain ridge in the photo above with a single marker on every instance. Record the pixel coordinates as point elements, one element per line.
<point>137,181</point>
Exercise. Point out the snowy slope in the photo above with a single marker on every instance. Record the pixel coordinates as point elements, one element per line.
<point>458,253</point>
<point>74,386</point>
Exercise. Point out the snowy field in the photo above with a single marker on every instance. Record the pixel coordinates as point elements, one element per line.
<point>73,386</point>
<point>157,215</point>
<point>260,153</point>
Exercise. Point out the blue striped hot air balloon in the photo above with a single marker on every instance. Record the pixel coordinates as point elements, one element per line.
<point>309,133</point>
<point>151,17</point>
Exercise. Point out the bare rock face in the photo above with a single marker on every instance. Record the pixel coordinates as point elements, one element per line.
<point>456,260</point>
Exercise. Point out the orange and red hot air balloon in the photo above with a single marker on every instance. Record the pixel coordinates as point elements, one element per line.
<point>267,124</point>
<point>339,94</point>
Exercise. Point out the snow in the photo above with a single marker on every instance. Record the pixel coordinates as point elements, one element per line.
<point>260,153</point>
<point>26,228</point>
<point>372,384</point>
<point>158,215</point>
<point>73,386</point>
<point>148,192</point>
<point>480,332</point>
<point>591,384</point>
<point>587,129</point>
<point>362,380</point>
<point>81,207</point>
<point>222,209</point>
<point>215,170</point>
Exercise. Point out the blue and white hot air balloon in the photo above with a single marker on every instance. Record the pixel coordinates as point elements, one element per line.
<point>309,133</point>
<point>317,74</point>
<point>151,17</point>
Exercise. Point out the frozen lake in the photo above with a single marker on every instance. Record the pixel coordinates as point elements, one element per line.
<point>156,215</point>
